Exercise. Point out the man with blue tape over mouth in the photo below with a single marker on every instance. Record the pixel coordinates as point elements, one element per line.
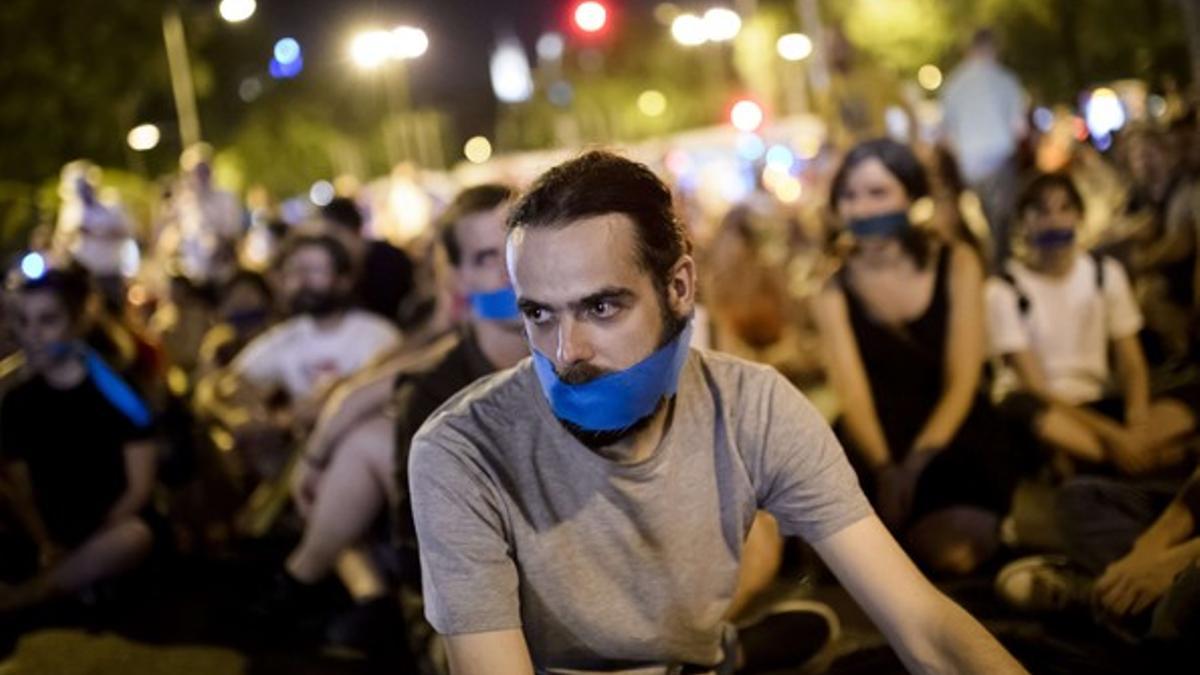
<point>587,510</point>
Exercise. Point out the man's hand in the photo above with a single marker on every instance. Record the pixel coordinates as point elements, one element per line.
<point>1137,581</point>
<point>894,495</point>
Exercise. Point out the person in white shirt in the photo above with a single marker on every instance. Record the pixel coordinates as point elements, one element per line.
<point>206,221</point>
<point>304,357</point>
<point>326,339</point>
<point>984,122</point>
<point>1056,318</point>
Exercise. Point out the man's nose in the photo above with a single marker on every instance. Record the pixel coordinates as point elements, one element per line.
<point>573,346</point>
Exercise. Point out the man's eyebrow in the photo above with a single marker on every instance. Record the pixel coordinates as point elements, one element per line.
<point>607,294</point>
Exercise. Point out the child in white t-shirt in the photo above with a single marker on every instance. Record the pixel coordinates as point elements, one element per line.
<point>1058,318</point>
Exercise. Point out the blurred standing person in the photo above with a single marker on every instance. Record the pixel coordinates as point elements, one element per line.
<point>984,122</point>
<point>206,221</point>
<point>94,234</point>
<point>384,273</point>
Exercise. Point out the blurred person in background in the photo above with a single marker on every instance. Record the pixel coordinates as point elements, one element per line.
<point>302,358</point>
<point>902,328</point>
<point>360,444</point>
<point>1164,204</point>
<point>984,123</point>
<point>77,447</point>
<point>957,212</point>
<point>203,223</point>
<point>180,322</point>
<point>384,273</point>
<point>96,235</point>
<point>1059,317</point>
<point>245,310</point>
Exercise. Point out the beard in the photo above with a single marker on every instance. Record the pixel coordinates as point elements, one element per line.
<point>318,304</point>
<point>582,373</point>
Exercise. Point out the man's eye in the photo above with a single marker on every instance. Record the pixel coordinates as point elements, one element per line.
<point>537,315</point>
<point>603,309</point>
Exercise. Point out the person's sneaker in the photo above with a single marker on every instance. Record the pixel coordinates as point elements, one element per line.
<point>790,635</point>
<point>1044,583</point>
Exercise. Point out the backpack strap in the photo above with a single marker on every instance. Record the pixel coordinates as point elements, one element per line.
<point>1022,300</point>
<point>1099,260</point>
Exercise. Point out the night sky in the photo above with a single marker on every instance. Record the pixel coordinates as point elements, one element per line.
<point>453,74</point>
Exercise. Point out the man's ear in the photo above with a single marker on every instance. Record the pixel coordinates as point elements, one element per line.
<point>681,287</point>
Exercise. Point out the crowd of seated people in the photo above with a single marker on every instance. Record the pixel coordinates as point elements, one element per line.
<point>283,398</point>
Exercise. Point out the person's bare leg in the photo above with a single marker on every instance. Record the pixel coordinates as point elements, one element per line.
<point>355,488</point>
<point>955,540</point>
<point>109,552</point>
<point>762,555</point>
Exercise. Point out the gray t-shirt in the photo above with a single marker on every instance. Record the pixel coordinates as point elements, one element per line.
<point>609,566</point>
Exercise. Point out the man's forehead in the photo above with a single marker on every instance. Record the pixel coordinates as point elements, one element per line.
<point>576,260</point>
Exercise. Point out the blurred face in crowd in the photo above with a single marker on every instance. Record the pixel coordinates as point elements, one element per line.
<point>481,240</point>
<point>872,190</point>
<point>1150,162</point>
<point>311,283</point>
<point>245,307</point>
<point>1054,210</point>
<point>43,327</point>
<point>589,306</point>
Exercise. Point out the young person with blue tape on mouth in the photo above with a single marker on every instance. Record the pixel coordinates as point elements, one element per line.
<point>902,329</point>
<point>359,447</point>
<point>586,510</point>
<point>77,446</point>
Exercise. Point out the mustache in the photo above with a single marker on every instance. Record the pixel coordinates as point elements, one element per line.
<point>580,373</point>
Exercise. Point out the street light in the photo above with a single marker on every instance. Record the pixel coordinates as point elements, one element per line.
<point>689,30</point>
<point>370,49</point>
<point>721,24</point>
<point>143,137</point>
<point>591,16</point>
<point>478,150</point>
<point>794,47</point>
<point>652,103</point>
<point>929,77</point>
<point>409,42</point>
<point>236,11</point>
<point>746,115</point>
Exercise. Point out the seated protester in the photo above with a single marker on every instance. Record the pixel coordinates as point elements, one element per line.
<point>347,476</point>
<point>244,312</point>
<point>901,325</point>
<point>326,338</point>
<point>589,509</point>
<point>77,448</point>
<point>179,323</point>
<point>1133,557</point>
<point>1163,255</point>
<point>383,273</point>
<point>1058,318</point>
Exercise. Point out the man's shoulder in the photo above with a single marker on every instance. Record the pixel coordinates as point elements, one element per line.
<point>732,374</point>
<point>488,406</point>
<point>361,322</point>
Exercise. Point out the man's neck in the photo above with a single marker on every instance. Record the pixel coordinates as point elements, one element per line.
<point>640,445</point>
<point>1057,264</point>
<point>503,346</point>
<point>329,322</point>
<point>66,374</point>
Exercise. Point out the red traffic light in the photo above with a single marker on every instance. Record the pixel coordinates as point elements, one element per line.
<point>590,17</point>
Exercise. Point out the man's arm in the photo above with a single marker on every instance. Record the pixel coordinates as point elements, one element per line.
<point>1135,379</point>
<point>501,652</point>
<point>140,469</point>
<point>930,633</point>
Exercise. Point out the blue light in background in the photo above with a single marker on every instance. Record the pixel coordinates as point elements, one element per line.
<point>287,50</point>
<point>33,266</point>
<point>283,71</point>
<point>781,157</point>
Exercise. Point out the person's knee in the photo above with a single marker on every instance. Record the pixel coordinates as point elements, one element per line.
<point>954,542</point>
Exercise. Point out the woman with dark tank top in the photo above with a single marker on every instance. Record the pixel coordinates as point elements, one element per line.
<point>902,328</point>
